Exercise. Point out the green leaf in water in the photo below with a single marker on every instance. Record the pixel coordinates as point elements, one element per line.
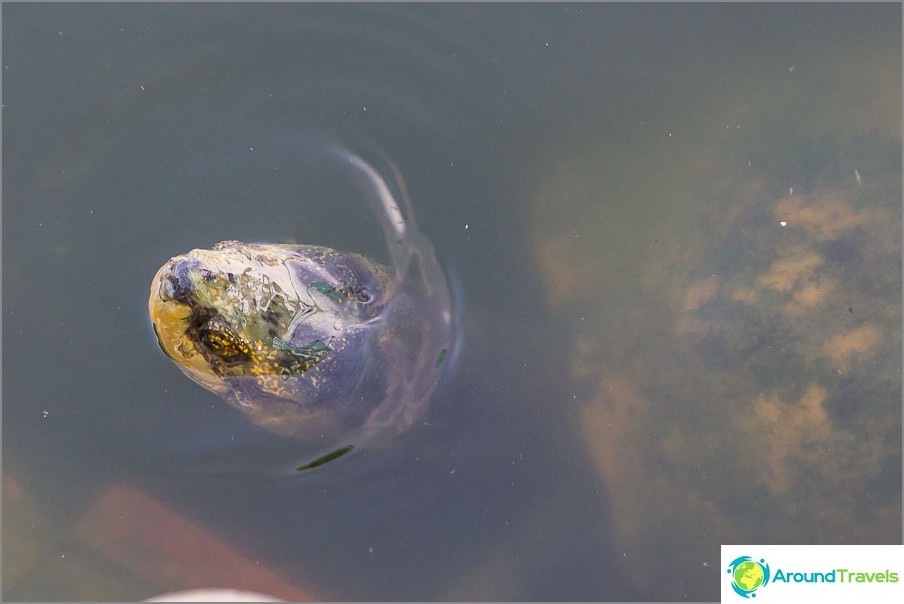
<point>325,458</point>
<point>441,357</point>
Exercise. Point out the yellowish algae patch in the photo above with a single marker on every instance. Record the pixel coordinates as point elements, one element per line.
<point>729,301</point>
<point>846,347</point>
<point>789,271</point>
<point>788,434</point>
<point>656,511</point>
<point>823,217</point>
<point>701,292</point>
<point>744,405</point>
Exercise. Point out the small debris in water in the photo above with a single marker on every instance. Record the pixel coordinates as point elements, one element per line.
<point>325,458</point>
<point>857,176</point>
<point>441,356</point>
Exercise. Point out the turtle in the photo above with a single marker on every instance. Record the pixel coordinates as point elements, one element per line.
<point>308,341</point>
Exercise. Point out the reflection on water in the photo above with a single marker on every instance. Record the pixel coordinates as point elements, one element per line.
<point>673,238</point>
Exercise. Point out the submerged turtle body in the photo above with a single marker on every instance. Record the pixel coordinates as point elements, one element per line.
<point>306,340</point>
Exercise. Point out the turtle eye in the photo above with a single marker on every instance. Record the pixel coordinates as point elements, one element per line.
<point>221,339</point>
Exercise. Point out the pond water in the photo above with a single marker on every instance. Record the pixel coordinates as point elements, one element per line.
<point>672,235</point>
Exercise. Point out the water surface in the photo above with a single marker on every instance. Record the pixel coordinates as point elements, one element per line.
<point>649,364</point>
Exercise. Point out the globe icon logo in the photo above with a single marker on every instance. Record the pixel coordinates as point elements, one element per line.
<point>748,575</point>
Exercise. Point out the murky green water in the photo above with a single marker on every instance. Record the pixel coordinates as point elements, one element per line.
<point>673,240</point>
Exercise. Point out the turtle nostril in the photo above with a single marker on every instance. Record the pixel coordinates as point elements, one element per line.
<point>177,284</point>
<point>167,289</point>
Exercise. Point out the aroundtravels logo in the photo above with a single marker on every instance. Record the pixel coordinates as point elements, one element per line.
<point>748,575</point>
<point>798,573</point>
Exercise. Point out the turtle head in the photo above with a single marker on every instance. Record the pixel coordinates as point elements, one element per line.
<point>230,312</point>
<point>282,331</point>
<point>239,310</point>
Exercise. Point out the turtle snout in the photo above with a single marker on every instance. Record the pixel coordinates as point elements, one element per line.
<point>176,284</point>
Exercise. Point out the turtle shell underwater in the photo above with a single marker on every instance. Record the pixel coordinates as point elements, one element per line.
<point>308,341</point>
